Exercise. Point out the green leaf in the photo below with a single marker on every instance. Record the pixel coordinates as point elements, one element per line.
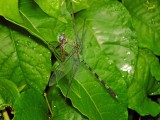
<point>110,33</point>
<point>153,87</point>
<point>87,93</point>
<point>110,49</point>
<point>36,21</point>
<point>8,93</point>
<point>9,10</point>
<point>62,110</point>
<point>55,9</point>
<point>79,5</point>
<point>142,83</point>
<point>23,59</point>
<point>31,106</point>
<point>146,21</point>
<point>155,67</point>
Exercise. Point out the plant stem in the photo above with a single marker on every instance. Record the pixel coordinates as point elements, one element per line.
<point>45,95</point>
<point>5,115</point>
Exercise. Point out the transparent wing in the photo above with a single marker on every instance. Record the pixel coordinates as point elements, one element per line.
<point>67,71</point>
<point>64,68</point>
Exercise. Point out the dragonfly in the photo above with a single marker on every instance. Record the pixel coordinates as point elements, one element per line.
<point>75,56</point>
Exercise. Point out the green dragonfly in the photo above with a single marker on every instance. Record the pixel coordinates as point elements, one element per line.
<point>73,60</point>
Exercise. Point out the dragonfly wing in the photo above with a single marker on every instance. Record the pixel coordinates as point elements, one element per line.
<point>52,80</point>
<point>74,71</point>
<point>64,69</point>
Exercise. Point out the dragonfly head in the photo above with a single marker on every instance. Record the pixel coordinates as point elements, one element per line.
<point>62,38</point>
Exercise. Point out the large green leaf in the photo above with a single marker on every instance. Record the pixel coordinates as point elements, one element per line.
<point>22,59</point>
<point>8,93</point>
<point>86,93</point>
<point>109,47</point>
<point>110,33</point>
<point>31,106</point>
<point>143,84</point>
<point>146,21</point>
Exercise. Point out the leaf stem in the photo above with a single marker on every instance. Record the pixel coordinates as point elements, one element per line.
<point>5,115</point>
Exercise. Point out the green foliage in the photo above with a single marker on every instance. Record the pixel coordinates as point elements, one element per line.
<point>9,93</point>
<point>30,106</point>
<point>118,41</point>
<point>23,61</point>
<point>146,21</point>
<point>144,84</point>
<point>62,110</point>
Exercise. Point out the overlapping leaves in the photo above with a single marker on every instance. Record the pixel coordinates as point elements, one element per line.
<point>109,47</point>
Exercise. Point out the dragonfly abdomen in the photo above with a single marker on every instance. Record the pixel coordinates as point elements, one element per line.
<point>101,81</point>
